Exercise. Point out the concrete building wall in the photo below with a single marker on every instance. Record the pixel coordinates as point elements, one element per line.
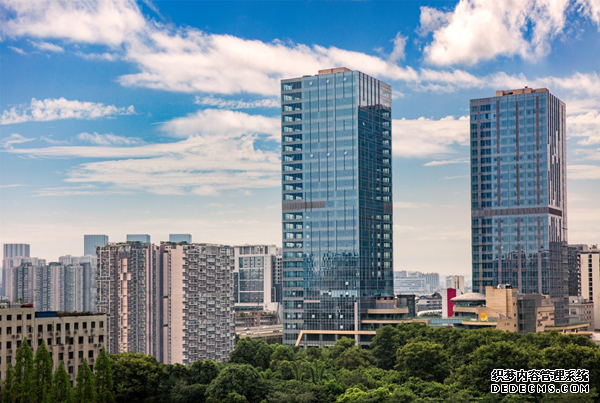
<point>589,264</point>
<point>69,338</point>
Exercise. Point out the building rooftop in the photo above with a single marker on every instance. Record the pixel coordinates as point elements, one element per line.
<point>520,91</point>
<point>334,70</point>
<point>470,296</point>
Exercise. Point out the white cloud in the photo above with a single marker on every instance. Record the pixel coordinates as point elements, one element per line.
<point>107,22</point>
<point>15,185</point>
<point>18,50</point>
<point>237,103</point>
<point>583,171</point>
<point>591,8</point>
<point>109,57</point>
<point>481,30</point>
<point>47,46</point>
<point>409,205</point>
<point>61,108</point>
<point>108,139</point>
<point>399,47</point>
<point>223,123</point>
<point>446,162</point>
<point>586,126</point>
<point>426,137</point>
<point>14,138</point>
<point>217,155</point>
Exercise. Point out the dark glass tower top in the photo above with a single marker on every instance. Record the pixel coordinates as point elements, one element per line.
<point>336,199</point>
<point>518,192</point>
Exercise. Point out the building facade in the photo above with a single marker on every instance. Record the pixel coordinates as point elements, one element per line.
<point>197,313</point>
<point>10,251</point>
<point>518,193</point>
<point>337,202</point>
<point>456,282</point>
<point>91,242</point>
<point>143,238</point>
<point>256,277</point>
<point>128,292</point>
<point>56,287</point>
<point>69,339</point>
<point>177,238</point>
<point>589,265</point>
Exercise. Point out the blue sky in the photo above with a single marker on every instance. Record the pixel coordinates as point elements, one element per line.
<point>163,117</point>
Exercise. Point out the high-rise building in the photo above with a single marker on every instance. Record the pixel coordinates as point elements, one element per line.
<point>128,292</point>
<point>56,287</point>
<point>589,266</point>
<point>337,203</point>
<point>91,242</point>
<point>9,265</point>
<point>143,238</point>
<point>197,313</point>
<point>255,277</point>
<point>432,281</point>
<point>177,238</point>
<point>11,250</point>
<point>68,259</point>
<point>456,282</point>
<point>518,194</point>
<point>573,268</point>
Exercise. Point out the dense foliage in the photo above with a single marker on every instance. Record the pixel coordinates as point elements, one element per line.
<point>408,363</point>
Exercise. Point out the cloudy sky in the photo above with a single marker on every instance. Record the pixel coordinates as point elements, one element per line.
<point>156,117</point>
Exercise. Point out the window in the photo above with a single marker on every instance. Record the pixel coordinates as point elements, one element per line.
<point>9,345</point>
<point>71,355</point>
<point>8,317</point>
<point>40,328</point>
<point>19,330</point>
<point>28,316</point>
<point>93,325</point>
<point>58,327</point>
<point>76,325</point>
<point>81,354</point>
<point>49,341</point>
<point>61,356</point>
<point>58,340</point>
<point>49,327</point>
<point>40,342</point>
<point>9,330</point>
<point>18,344</point>
<point>101,339</point>
<point>80,339</point>
<point>85,325</point>
<point>70,370</point>
<point>19,317</point>
<point>91,339</point>
<point>91,354</point>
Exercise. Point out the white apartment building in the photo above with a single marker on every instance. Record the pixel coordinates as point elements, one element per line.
<point>68,338</point>
<point>8,265</point>
<point>197,318</point>
<point>56,287</point>
<point>589,265</point>
<point>257,275</point>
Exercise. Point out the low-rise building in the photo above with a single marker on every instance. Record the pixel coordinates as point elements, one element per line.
<point>70,337</point>
<point>581,311</point>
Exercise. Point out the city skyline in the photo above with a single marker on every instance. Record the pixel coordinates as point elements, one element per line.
<point>97,138</point>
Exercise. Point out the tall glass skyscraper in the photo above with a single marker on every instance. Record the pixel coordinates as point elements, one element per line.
<point>518,193</point>
<point>91,242</point>
<point>337,203</point>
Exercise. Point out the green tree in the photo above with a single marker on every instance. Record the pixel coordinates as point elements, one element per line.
<point>423,359</point>
<point>185,393</point>
<point>383,346</point>
<point>242,379</point>
<point>84,391</point>
<point>61,385</point>
<point>24,374</point>
<point>342,345</point>
<point>42,374</point>
<point>252,352</point>
<point>8,385</point>
<point>353,358</point>
<point>103,382</point>
<point>316,372</point>
<point>139,379</point>
<point>203,372</point>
